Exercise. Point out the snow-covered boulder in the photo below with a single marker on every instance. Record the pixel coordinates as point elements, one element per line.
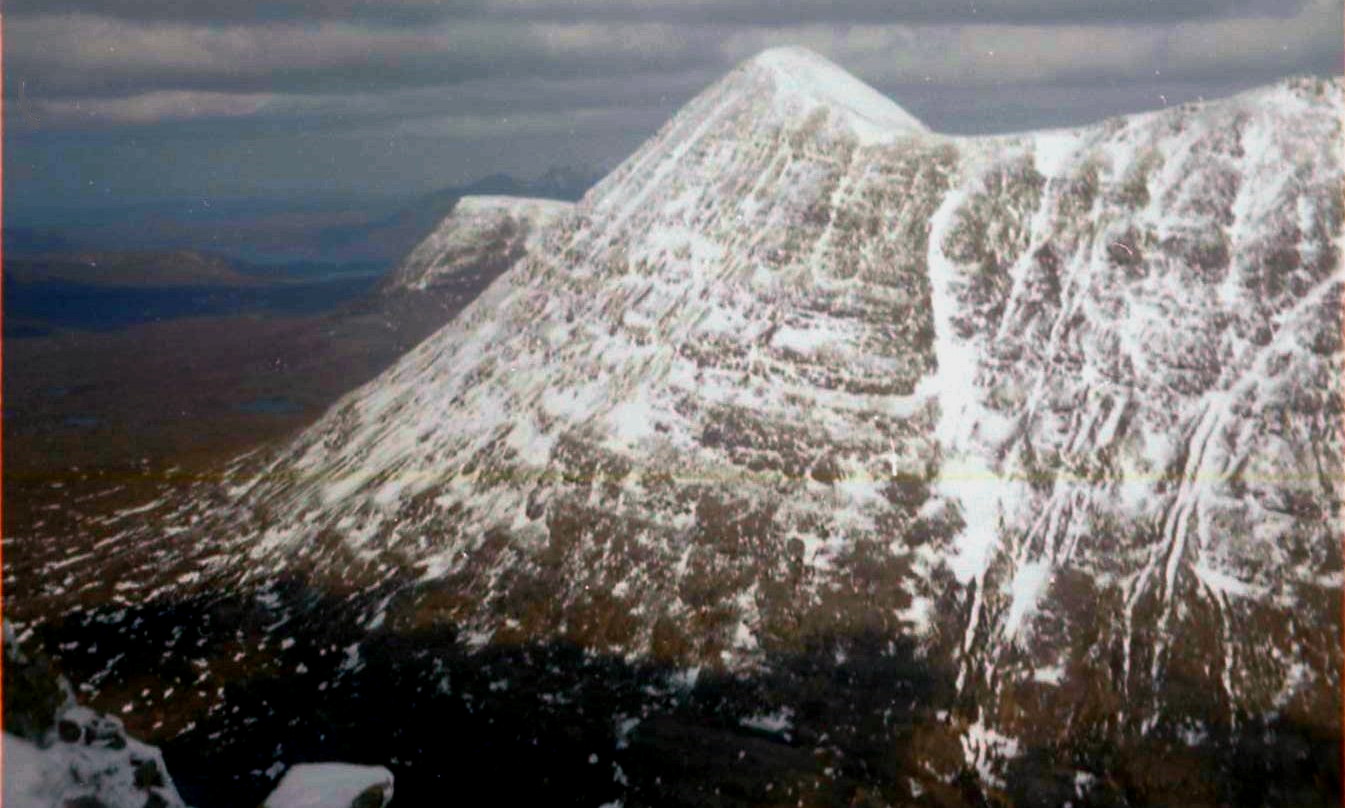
<point>86,759</point>
<point>59,754</point>
<point>332,785</point>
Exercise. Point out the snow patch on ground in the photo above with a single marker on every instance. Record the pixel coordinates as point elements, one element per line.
<point>984,748</point>
<point>1029,584</point>
<point>778,722</point>
<point>964,476</point>
<point>1226,584</point>
<point>1054,151</point>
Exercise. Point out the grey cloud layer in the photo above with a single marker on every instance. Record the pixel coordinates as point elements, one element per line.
<point>588,75</point>
<point>717,12</point>
<point>86,55</point>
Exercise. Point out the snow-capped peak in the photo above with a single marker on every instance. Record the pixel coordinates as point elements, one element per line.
<point>803,79</point>
<point>746,118</point>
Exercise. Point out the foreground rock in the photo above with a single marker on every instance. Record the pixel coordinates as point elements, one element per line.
<point>332,785</point>
<point>58,754</point>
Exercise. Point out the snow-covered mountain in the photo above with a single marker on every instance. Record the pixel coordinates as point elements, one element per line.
<point>1062,405</point>
<point>481,233</point>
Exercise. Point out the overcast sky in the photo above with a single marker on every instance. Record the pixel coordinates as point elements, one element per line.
<point>147,99</point>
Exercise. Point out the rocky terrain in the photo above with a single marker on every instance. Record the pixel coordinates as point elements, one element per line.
<point>1028,446</point>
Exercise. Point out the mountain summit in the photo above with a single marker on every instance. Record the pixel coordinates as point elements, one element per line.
<point>782,103</point>
<point>800,81</point>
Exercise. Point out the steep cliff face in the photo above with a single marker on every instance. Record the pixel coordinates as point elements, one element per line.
<point>1147,463</point>
<point>1064,406</point>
